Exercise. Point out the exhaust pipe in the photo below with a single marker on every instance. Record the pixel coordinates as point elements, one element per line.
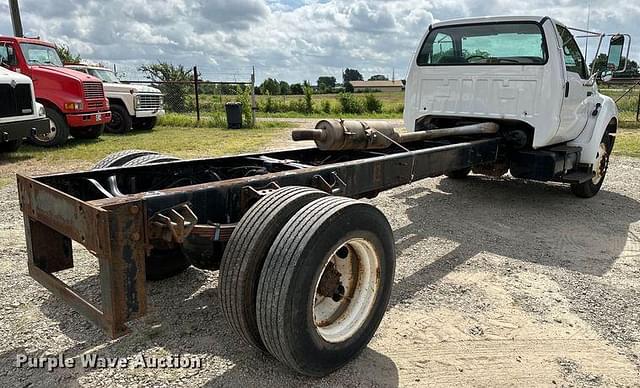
<point>337,135</point>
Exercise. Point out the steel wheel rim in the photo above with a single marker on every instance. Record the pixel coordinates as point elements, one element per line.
<point>47,137</point>
<point>337,318</point>
<point>600,166</point>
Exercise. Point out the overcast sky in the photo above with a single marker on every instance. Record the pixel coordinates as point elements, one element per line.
<point>286,39</point>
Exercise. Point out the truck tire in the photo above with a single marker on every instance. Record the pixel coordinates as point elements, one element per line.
<point>117,159</point>
<point>149,159</point>
<point>92,132</point>
<point>591,187</point>
<point>120,120</point>
<point>145,124</point>
<point>203,253</point>
<point>58,133</point>
<point>246,252</point>
<point>165,263</point>
<point>10,146</point>
<point>459,174</point>
<point>325,284</point>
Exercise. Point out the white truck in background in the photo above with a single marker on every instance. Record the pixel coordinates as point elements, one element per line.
<point>528,75</point>
<point>132,106</point>
<point>20,115</point>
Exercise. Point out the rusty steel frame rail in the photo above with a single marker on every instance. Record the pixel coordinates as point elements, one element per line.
<point>52,219</point>
<point>116,230</point>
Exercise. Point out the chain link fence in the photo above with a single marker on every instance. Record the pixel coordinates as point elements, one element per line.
<point>202,99</point>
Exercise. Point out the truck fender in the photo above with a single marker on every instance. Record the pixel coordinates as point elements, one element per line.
<point>589,139</point>
<point>127,103</point>
<point>48,104</point>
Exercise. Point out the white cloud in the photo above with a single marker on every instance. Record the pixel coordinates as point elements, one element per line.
<point>286,39</point>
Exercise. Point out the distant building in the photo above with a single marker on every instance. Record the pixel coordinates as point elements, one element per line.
<point>379,86</point>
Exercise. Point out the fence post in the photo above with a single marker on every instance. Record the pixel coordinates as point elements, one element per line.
<point>253,97</point>
<point>195,86</point>
<point>638,108</point>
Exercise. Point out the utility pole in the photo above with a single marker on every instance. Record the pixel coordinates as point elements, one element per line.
<point>586,45</point>
<point>15,18</point>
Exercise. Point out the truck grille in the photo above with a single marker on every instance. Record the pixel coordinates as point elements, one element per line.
<point>95,104</point>
<point>15,101</point>
<point>93,90</point>
<point>149,102</point>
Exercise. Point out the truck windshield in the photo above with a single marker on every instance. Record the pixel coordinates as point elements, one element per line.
<point>104,75</point>
<point>36,54</point>
<point>481,44</point>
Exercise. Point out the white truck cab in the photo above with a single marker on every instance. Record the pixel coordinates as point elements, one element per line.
<point>527,74</point>
<point>132,106</point>
<point>20,115</point>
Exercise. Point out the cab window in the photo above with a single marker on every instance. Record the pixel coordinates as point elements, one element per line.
<point>520,43</point>
<point>7,55</point>
<point>573,59</point>
<point>4,54</point>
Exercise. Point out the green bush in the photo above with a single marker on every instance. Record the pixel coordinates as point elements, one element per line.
<point>372,104</point>
<point>350,103</point>
<point>244,97</point>
<point>394,108</point>
<point>308,98</point>
<point>326,106</point>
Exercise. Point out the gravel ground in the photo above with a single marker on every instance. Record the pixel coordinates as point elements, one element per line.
<point>498,282</point>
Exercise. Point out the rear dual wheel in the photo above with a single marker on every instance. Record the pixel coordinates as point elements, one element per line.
<point>322,287</point>
<point>246,252</point>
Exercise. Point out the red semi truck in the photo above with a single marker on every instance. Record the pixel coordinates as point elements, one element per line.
<point>75,102</point>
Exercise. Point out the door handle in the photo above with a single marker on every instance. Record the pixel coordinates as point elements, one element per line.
<point>566,89</point>
<point>596,110</point>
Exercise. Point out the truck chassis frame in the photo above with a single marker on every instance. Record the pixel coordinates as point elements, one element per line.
<point>120,229</point>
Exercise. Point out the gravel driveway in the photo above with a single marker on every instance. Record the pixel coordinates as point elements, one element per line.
<point>499,282</point>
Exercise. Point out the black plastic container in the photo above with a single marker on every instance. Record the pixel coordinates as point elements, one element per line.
<point>234,115</point>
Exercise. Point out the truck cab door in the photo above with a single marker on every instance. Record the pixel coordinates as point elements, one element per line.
<point>576,104</point>
<point>8,56</point>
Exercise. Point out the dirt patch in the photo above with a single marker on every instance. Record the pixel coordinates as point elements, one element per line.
<point>498,282</point>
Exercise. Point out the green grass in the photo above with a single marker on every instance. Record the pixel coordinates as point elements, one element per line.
<point>628,143</point>
<point>392,104</point>
<point>6,180</point>
<point>188,120</point>
<point>317,115</point>
<point>179,141</point>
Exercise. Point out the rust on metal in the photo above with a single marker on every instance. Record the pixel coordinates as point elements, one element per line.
<point>215,232</point>
<point>330,281</point>
<point>119,231</point>
<point>172,225</point>
<point>52,219</point>
<point>63,213</point>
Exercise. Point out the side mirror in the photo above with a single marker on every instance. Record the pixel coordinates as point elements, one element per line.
<point>11,57</point>
<point>606,76</point>
<point>614,58</point>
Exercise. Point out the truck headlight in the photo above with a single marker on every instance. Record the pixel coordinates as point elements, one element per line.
<point>161,100</point>
<point>136,102</point>
<point>41,111</point>
<point>73,105</point>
